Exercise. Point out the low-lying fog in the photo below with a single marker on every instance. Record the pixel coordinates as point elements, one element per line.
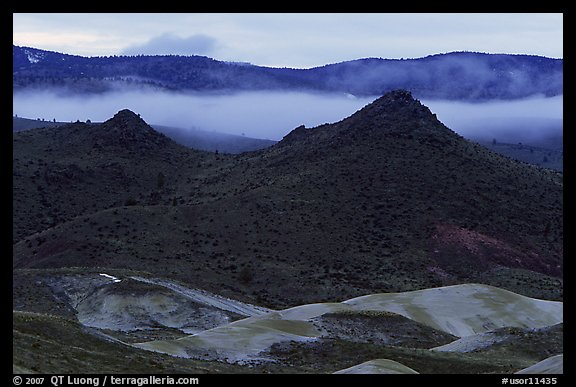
<point>271,115</point>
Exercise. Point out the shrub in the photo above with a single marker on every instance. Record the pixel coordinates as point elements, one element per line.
<point>246,275</point>
<point>130,202</point>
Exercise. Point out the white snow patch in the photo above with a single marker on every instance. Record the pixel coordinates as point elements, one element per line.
<point>33,57</point>
<point>114,279</point>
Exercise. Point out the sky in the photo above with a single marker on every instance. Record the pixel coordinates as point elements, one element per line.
<point>297,40</point>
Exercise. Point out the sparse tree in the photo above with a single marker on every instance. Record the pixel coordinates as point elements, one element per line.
<point>130,202</point>
<point>245,275</point>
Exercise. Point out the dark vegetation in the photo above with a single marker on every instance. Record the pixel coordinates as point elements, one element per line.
<point>383,328</point>
<point>337,354</point>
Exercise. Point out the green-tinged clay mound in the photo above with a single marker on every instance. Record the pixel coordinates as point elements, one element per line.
<point>460,310</point>
<point>464,310</point>
<point>534,343</point>
<point>236,342</point>
<point>126,306</point>
<point>318,338</point>
<point>130,305</point>
<point>378,366</point>
<point>551,365</point>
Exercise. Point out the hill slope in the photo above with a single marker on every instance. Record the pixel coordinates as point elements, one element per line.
<point>76,169</point>
<point>191,138</point>
<point>386,200</point>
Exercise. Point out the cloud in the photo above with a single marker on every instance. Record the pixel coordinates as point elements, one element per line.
<point>169,43</point>
<point>293,39</point>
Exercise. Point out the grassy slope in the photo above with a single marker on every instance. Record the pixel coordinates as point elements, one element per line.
<point>54,345</point>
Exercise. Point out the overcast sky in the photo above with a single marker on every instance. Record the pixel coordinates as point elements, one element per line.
<point>297,40</point>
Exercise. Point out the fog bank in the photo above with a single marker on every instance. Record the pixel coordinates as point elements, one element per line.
<point>524,120</point>
<point>271,115</point>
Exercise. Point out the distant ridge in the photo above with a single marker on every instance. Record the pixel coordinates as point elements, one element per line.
<point>462,76</point>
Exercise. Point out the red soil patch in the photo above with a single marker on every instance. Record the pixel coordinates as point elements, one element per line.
<point>458,248</point>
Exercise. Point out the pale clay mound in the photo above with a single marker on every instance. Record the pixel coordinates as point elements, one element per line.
<point>469,311</point>
<point>378,366</point>
<point>472,343</point>
<point>464,310</point>
<point>461,310</point>
<point>551,365</point>
<point>106,302</point>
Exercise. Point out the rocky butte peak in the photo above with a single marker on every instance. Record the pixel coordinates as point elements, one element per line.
<point>396,104</point>
<point>397,98</point>
<point>128,130</point>
<point>396,113</point>
<point>126,118</point>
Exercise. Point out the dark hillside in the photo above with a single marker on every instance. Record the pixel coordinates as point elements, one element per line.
<point>77,169</point>
<point>386,200</point>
